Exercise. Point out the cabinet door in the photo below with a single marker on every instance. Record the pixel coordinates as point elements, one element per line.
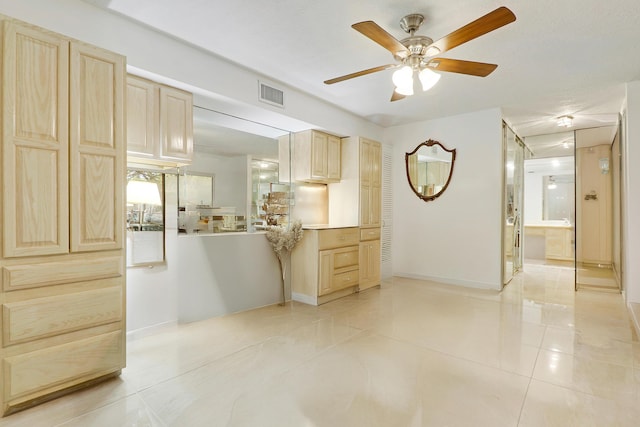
<point>176,124</point>
<point>35,145</point>
<point>375,206</point>
<point>325,272</point>
<point>376,164</point>
<point>369,264</point>
<point>319,156</point>
<point>97,148</point>
<point>554,243</point>
<point>365,163</point>
<point>334,155</point>
<point>142,117</point>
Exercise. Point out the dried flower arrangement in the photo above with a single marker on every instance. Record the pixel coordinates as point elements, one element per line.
<point>282,240</point>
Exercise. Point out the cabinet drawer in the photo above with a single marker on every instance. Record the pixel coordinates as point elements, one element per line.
<point>369,234</point>
<point>345,258</point>
<point>43,317</point>
<point>24,276</point>
<point>344,280</point>
<point>54,368</point>
<point>338,237</point>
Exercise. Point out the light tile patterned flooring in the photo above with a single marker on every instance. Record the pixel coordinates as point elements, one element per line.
<point>413,353</point>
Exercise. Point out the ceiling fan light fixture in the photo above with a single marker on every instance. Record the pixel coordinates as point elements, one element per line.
<point>428,78</point>
<point>403,80</point>
<point>431,51</point>
<point>565,121</point>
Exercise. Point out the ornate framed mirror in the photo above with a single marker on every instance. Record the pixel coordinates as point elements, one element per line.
<point>429,169</point>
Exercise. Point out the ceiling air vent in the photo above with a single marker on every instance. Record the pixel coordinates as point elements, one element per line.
<point>271,95</point>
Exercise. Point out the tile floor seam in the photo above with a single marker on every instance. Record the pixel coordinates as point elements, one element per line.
<point>456,356</point>
<point>526,393</point>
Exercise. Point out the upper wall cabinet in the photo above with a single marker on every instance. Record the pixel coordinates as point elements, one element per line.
<point>159,123</point>
<point>316,157</point>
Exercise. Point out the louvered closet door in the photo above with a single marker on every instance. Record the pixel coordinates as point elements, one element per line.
<point>386,267</point>
<point>35,142</point>
<point>97,148</point>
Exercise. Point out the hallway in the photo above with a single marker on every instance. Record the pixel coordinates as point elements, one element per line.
<point>413,353</point>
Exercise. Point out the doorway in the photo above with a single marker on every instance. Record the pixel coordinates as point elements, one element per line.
<point>513,153</point>
<point>549,206</point>
<point>597,198</point>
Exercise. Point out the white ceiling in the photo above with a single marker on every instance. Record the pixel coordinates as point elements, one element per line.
<point>558,57</point>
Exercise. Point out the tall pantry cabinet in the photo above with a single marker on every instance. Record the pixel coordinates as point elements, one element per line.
<point>62,280</point>
<point>362,182</point>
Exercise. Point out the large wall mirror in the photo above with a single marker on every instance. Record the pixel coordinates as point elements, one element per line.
<point>145,217</point>
<point>234,173</point>
<point>429,169</point>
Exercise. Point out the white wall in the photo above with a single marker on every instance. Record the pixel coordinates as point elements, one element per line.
<point>456,238</point>
<point>631,202</point>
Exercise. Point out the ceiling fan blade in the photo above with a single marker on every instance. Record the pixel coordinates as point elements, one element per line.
<point>395,96</point>
<point>483,25</point>
<point>480,69</point>
<point>380,36</point>
<point>359,73</point>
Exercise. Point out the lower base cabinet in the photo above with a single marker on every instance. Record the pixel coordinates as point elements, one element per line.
<point>325,265</point>
<point>63,325</point>
<point>369,264</point>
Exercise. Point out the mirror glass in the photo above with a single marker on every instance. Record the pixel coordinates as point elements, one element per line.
<point>558,198</point>
<point>145,217</point>
<point>196,189</point>
<point>232,177</point>
<point>550,190</point>
<point>429,169</point>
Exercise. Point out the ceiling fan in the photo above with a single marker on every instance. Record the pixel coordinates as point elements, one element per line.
<point>417,54</point>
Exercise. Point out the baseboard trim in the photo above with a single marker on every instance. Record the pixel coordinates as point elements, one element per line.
<point>455,282</point>
<point>150,330</point>
<point>634,311</point>
<point>306,299</point>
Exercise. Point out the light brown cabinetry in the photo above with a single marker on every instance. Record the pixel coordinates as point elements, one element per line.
<point>316,157</point>
<point>357,199</point>
<point>370,183</point>
<point>559,243</point>
<point>159,123</point>
<point>325,265</point>
<point>62,262</point>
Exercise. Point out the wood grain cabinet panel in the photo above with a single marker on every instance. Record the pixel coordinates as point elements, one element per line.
<point>42,317</point>
<point>51,369</point>
<point>62,214</point>
<point>37,275</point>
<point>176,124</point>
<point>324,265</point>
<point>316,157</point>
<point>142,118</point>
<point>97,164</point>
<point>369,264</point>
<point>159,123</point>
<point>35,142</point>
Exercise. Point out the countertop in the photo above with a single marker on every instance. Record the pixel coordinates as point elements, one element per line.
<point>324,226</point>
<point>550,225</point>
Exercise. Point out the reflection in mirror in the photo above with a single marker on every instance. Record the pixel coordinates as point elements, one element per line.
<point>270,200</point>
<point>558,198</point>
<point>145,217</point>
<point>242,155</point>
<point>550,191</point>
<point>196,189</point>
<point>429,169</point>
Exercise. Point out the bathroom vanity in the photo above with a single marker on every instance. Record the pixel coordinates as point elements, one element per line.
<point>558,240</point>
